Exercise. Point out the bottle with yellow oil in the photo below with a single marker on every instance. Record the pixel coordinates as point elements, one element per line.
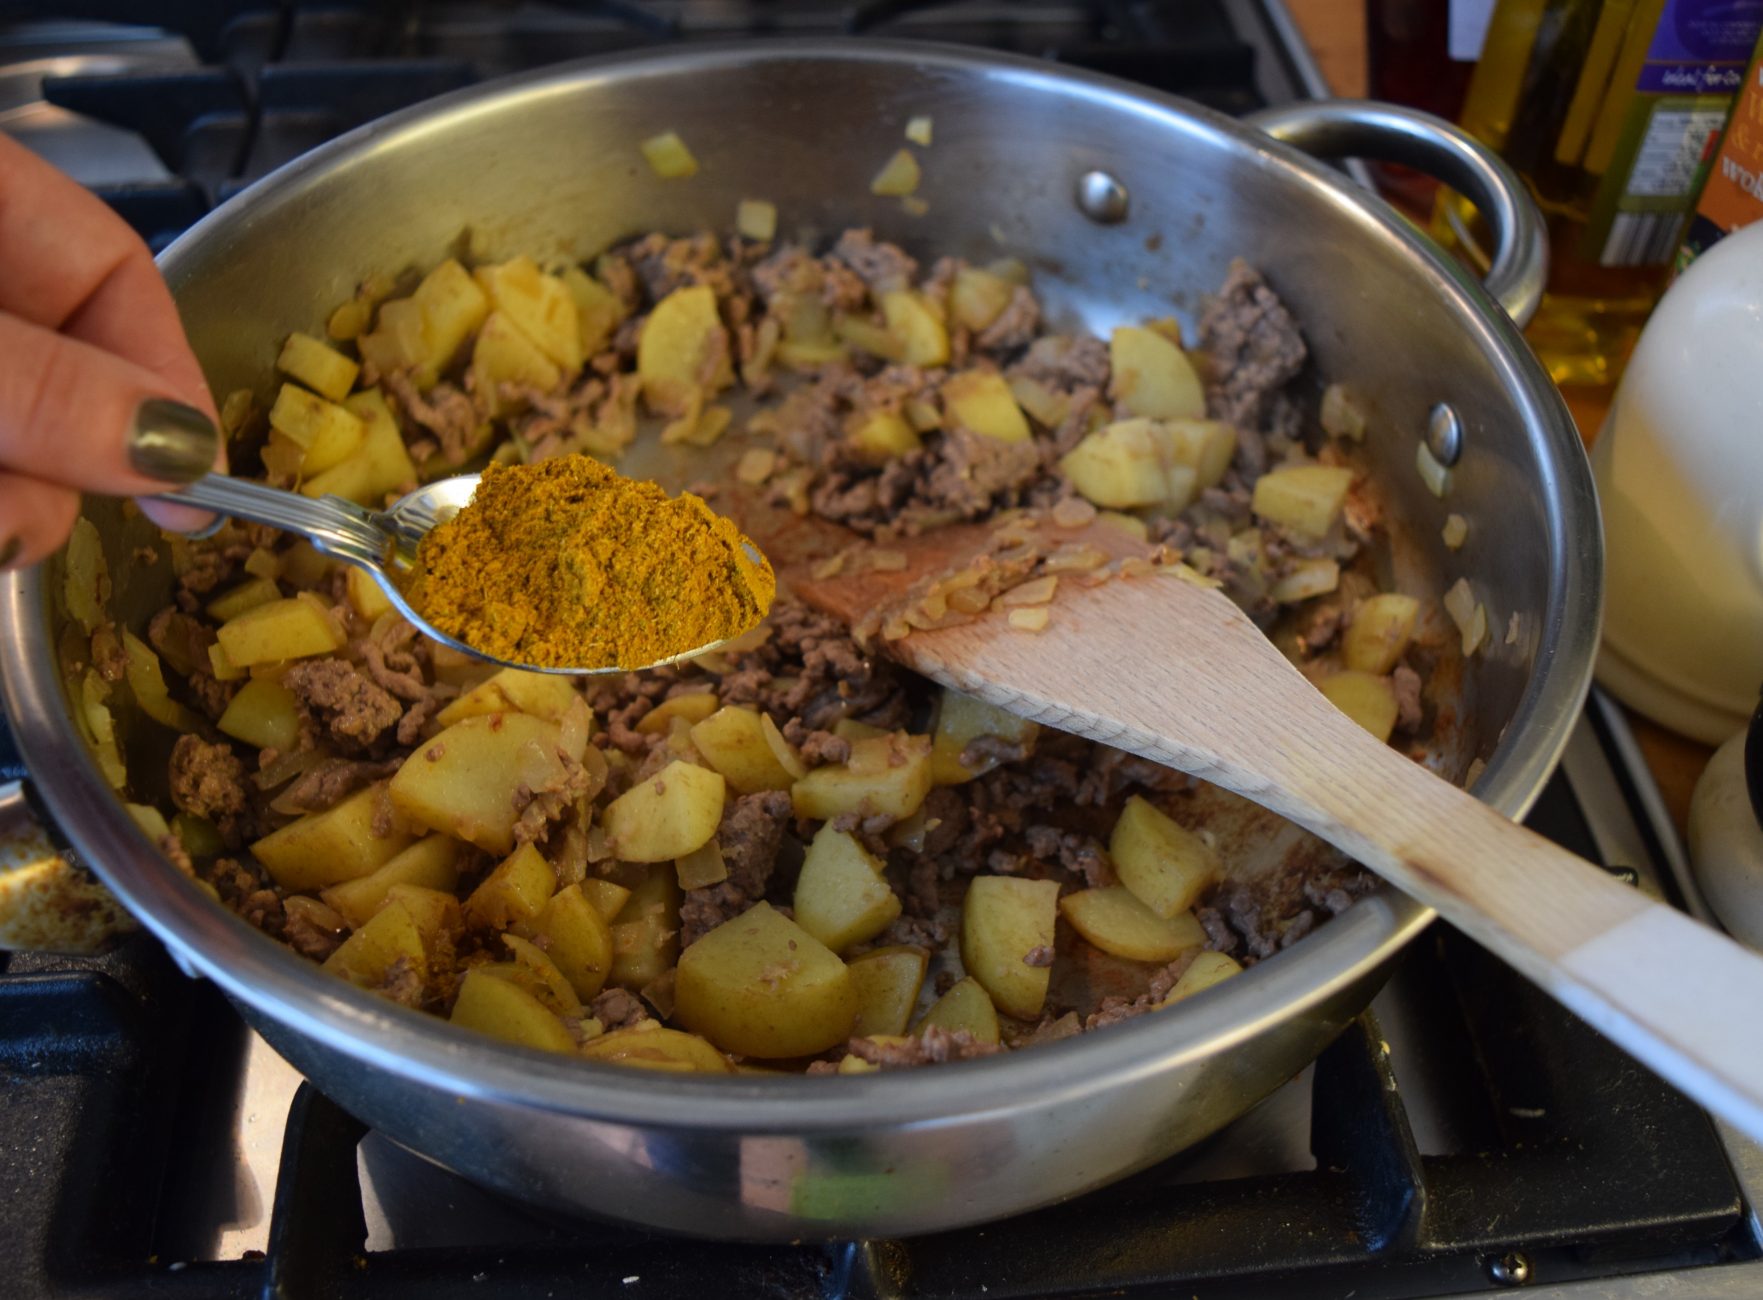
<point>1610,109</point>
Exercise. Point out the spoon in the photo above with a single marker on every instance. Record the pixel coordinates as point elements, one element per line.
<point>1178,674</point>
<point>378,542</point>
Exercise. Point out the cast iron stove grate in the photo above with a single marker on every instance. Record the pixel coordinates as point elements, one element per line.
<point>271,80</point>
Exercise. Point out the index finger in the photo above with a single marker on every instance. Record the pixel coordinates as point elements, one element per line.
<point>70,264</point>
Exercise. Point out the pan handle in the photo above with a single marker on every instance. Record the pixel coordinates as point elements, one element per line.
<point>1363,128</point>
<point>47,902</point>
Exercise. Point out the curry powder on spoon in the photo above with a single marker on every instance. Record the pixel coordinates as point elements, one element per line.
<point>567,564</point>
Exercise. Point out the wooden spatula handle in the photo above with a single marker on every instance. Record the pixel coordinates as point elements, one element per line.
<point>1180,676</point>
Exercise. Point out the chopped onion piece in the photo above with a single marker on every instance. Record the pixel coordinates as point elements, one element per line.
<point>1038,591</point>
<point>1316,576</point>
<point>1469,614</point>
<point>756,219</point>
<point>702,867</point>
<point>1340,418</point>
<point>755,466</point>
<point>1078,558</point>
<point>898,178</point>
<point>831,567</point>
<point>1029,620</point>
<point>1436,477</point>
<point>918,130</point>
<point>1073,512</point>
<point>913,206</point>
<point>887,561</point>
<point>1455,531</point>
<point>668,156</point>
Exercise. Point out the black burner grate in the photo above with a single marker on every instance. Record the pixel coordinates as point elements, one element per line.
<point>278,79</point>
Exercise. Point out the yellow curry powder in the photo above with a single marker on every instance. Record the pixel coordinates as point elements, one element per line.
<point>567,564</point>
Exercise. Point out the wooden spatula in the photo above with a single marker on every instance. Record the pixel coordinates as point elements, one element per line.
<point>1178,674</point>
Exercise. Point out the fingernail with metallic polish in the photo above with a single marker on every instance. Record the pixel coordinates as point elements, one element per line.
<point>172,442</point>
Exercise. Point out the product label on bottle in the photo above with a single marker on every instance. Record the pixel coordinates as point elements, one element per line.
<point>1693,68</point>
<point>1732,196</point>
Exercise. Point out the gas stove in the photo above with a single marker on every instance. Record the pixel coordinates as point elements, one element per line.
<point>1466,1135</point>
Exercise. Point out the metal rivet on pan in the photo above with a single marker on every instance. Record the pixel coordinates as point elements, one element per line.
<point>1510,1270</point>
<point>1444,435</point>
<point>1102,198</point>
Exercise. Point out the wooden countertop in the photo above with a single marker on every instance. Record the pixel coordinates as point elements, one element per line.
<point>1335,30</point>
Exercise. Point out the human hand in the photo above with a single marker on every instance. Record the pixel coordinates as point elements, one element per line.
<point>99,390</point>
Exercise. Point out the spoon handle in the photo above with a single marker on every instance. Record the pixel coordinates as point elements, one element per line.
<point>336,527</point>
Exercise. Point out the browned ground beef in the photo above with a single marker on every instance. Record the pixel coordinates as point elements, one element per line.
<point>1043,810</point>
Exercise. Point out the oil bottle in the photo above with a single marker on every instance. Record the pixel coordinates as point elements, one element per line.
<point>1610,110</point>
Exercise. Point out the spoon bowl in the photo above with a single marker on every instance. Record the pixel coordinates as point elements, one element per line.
<point>381,543</point>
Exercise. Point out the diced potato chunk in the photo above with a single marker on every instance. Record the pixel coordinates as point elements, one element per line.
<point>539,306</point>
<point>607,897</point>
<point>963,719</point>
<point>656,1048</point>
<point>1129,463</point>
<point>682,355</point>
<point>967,1006</point>
<point>1208,446</point>
<point>453,307</point>
<point>1208,968</point>
<point>645,933</point>
<point>324,431</point>
<point>1005,920</point>
<point>598,311</point>
<point>370,956</point>
<point>504,1010</point>
<point>756,219</point>
<point>760,985</point>
<point>977,298</point>
<point>732,740</point>
<point>882,435</point>
<point>1162,862</point>
<point>296,628</point>
<point>381,467</point>
<point>666,816</point>
<point>435,912</point>
<point>238,600</point>
<point>505,355</point>
<point>1150,376</point>
<point>463,781</point>
<point>668,156</point>
<point>263,714</point>
<point>887,981</point>
<point>429,863</point>
<point>514,690</point>
<point>1379,634</point>
<point>887,776</point>
<point>326,848</point>
<point>1115,921</point>
<point>514,893</point>
<point>319,366</point>
<point>1305,498</point>
<point>578,938</point>
<point>899,176</point>
<point>1367,699</point>
<point>691,708</point>
<point>366,597</point>
<point>842,898</point>
<point>981,401</point>
<point>923,337</point>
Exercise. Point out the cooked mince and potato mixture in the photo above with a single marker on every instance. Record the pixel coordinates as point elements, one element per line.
<point>788,854</point>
